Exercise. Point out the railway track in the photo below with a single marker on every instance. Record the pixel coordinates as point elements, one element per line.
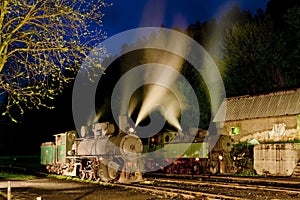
<point>233,185</point>
<point>229,190</point>
<point>209,188</point>
<point>173,192</point>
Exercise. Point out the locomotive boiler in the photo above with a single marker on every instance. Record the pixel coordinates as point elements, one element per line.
<point>99,154</point>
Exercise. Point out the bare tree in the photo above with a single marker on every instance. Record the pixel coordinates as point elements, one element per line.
<point>40,42</point>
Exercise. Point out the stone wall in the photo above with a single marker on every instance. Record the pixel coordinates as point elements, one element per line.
<point>261,127</point>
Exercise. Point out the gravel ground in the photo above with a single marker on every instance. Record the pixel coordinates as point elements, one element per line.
<point>53,189</point>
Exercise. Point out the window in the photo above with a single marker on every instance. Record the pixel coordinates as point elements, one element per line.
<point>234,130</point>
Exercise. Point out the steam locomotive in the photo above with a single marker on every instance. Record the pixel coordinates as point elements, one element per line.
<point>102,154</point>
<point>99,154</point>
<point>200,155</point>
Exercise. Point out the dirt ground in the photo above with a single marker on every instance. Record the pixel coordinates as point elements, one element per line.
<point>53,189</point>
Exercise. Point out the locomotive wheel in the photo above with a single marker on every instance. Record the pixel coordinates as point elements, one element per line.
<point>214,167</point>
<point>113,170</point>
<point>82,175</point>
<point>90,175</point>
<point>103,173</point>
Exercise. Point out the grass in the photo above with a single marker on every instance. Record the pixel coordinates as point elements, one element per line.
<point>19,162</point>
<point>29,162</point>
<point>249,172</point>
<point>61,177</point>
<point>9,176</point>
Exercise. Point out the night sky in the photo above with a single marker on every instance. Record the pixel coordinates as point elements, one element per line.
<point>129,14</point>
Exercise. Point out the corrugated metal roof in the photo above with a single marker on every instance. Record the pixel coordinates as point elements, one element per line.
<point>266,105</point>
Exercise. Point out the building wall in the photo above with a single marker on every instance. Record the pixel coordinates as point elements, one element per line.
<point>260,128</point>
<point>279,159</point>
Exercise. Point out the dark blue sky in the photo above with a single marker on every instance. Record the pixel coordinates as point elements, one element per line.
<point>128,14</point>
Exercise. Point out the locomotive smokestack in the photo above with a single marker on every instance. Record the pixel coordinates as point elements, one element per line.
<point>123,123</point>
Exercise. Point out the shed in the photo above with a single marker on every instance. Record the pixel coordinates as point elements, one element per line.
<point>267,117</point>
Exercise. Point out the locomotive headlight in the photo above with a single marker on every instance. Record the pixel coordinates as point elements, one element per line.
<point>131,130</point>
<point>197,159</point>
<point>152,139</point>
<point>220,157</point>
<point>71,153</point>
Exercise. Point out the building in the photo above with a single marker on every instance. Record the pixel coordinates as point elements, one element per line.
<point>266,118</point>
